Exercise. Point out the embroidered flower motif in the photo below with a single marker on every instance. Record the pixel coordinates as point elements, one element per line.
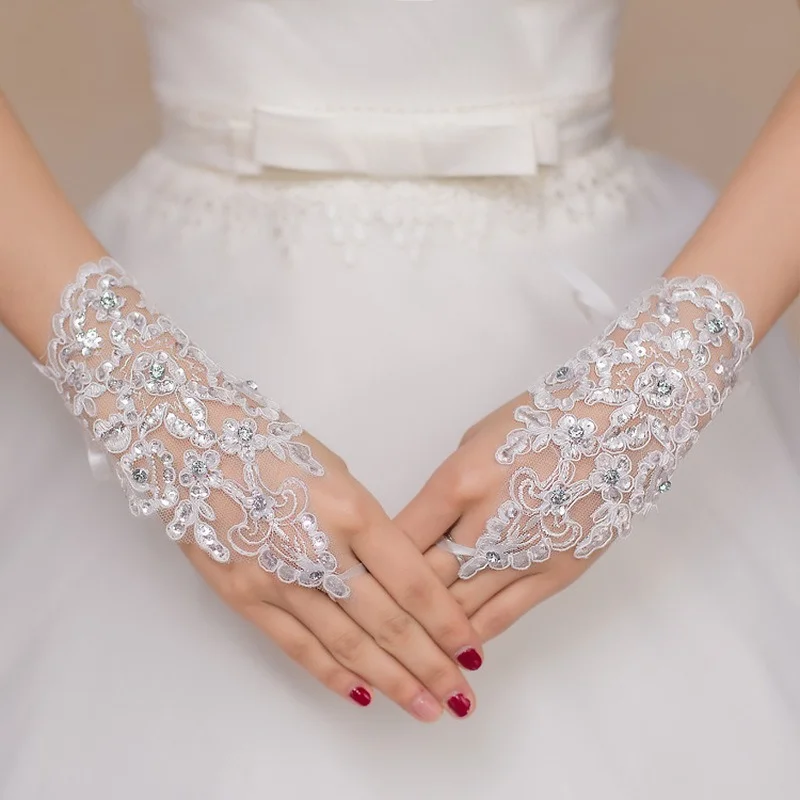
<point>711,329</point>
<point>158,373</point>
<point>576,437</point>
<point>241,438</point>
<point>89,340</point>
<point>548,504</point>
<point>563,387</point>
<point>105,301</point>
<point>611,476</point>
<point>661,387</point>
<point>201,473</point>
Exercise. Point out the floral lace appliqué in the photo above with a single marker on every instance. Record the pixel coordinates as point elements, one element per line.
<point>219,463</point>
<point>604,432</point>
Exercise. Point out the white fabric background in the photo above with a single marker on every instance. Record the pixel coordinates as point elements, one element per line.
<point>696,79</point>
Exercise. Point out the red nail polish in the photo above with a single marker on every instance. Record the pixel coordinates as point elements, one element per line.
<point>459,705</point>
<point>361,696</point>
<point>469,659</point>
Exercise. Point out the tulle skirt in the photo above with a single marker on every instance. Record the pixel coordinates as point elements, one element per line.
<point>388,317</point>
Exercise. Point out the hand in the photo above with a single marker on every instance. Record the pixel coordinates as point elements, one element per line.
<point>397,629</point>
<point>540,487</point>
<point>458,500</point>
<point>264,512</point>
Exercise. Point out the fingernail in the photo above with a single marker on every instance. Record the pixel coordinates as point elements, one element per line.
<point>361,696</point>
<point>469,658</point>
<point>459,705</point>
<point>426,708</point>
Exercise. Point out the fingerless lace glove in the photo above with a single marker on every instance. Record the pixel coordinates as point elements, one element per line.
<point>602,434</point>
<point>221,465</point>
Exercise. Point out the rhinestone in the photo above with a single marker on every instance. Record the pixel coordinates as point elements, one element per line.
<point>492,557</point>
<point>139,475</point>
<point>251,385</point>
<point>561,373</point>
<point>157,371</point>
<point>715,325</point>
<point>317,576</point>
<point>259,503</point>
<point>663,387</point>
<point>576,433</point>
<point>108,300</point>
<point>199,468</point>
<point>245,434</point>
<point>611,477</point>
<point>559,497</point>
<point>664,486</point>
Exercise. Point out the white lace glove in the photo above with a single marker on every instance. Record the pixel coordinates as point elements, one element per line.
<point>229,474</point>
<point>193,444</point>
<point>594,443</point>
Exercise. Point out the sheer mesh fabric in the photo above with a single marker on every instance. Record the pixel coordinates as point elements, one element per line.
<point>603,433</point>
<point>220,464</point>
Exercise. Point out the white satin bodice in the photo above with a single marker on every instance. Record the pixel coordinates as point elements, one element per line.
<point>410,87</point>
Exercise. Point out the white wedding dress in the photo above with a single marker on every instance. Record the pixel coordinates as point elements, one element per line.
<point>393,216</point>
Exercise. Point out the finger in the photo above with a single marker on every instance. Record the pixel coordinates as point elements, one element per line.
<point>305,649</point>
<point>444,564</point>
<point>471,594</point>
<point>401,570</point>
<point>476,592</point>
<point>354,649</point>
<point>466,531</point>
<point>507,606</point>
<point>398,633</point>
<point>435,508</point>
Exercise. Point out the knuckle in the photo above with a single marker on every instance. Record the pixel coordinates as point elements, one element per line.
<point>239,587</point>
<point>439,674</point>
<point>347,645</point>
<point>298,648</point>
<point>418,593</point>
<point>452,631</point>
<point>334,677</point>
<point>497,622</point>
<point>402,690</point>
<point>352,514</point>
<point>394,629</point>
<point>467,484</point>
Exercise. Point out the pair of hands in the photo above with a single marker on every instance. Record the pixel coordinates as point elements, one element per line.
<point>409,622</point>
<point>268,515</point>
